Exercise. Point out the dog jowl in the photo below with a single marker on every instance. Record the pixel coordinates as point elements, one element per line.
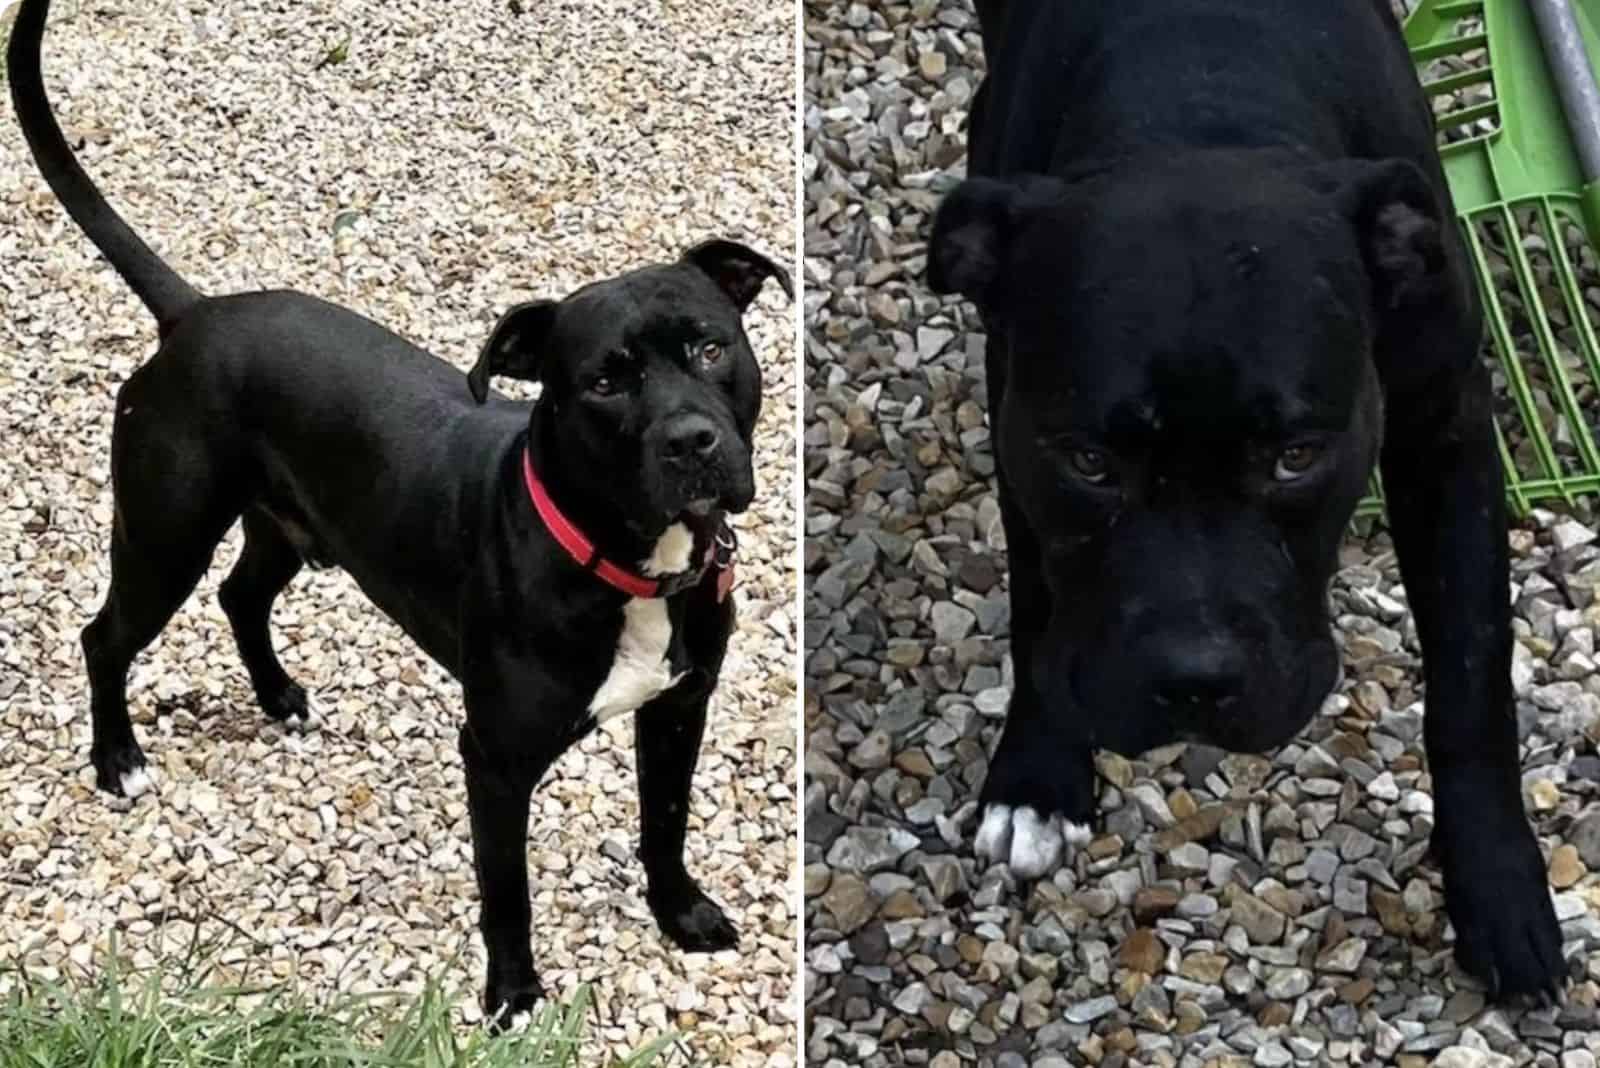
<point>567,561</point>
<point>1216,293</point>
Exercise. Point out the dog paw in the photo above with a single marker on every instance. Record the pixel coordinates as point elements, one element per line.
<point>1032,845</point>
<point>294,708</point>
<point>694,922</point>
<point>136,782</point>
<point>123,771</point>
<point>1498,900</point>
<point>509,1007</point>
<point>1036,804</point>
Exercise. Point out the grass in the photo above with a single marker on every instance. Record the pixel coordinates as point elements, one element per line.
<point>187,1016</point>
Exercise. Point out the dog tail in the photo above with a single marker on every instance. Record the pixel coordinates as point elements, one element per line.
<point>159,286</point>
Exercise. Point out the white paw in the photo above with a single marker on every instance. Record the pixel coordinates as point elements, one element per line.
<point>310,720</point>
<point>136,782</point>
<point>514,1021</point>
<point>1030,844</point>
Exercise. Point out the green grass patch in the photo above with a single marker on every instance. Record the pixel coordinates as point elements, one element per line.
<point>187,1015</point>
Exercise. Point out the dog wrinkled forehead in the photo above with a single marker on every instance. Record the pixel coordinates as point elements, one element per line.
<point>649,303</point>
<point>701,298</point>
<point>666,290</point>
<point>1234,301</point>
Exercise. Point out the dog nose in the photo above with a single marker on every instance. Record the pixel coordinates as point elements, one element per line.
<point>691,435</point>
<point>1199,674</point>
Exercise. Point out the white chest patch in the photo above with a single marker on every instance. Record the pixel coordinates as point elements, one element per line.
<point>640,668</point>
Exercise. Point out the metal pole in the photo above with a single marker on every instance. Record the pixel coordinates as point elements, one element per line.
<point>1575,81</point>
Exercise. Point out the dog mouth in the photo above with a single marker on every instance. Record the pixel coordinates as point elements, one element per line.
<point>700,509</point>
<point>707,496</point>
<point>724,484</point>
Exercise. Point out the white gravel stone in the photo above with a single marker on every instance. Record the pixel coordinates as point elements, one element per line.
<point>1570,534</point>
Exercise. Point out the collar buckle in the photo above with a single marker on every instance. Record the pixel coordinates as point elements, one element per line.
<point>723,546</point>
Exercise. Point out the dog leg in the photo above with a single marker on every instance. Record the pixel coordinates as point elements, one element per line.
<point>267,565</point>
<point>149,580</point>
<point>498,794</point>
<point>1038,799</point>
<point>1447,506</point>
<point>666,746</point>
<point>1038,796</point>
<point>173,504</point>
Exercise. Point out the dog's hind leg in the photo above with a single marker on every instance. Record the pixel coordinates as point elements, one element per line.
<point>151,574</point>
<point>266,565</point>
<point>173,504</point>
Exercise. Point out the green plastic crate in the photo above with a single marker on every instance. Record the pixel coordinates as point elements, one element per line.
<point>1531,226</point>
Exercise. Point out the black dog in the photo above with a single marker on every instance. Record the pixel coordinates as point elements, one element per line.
<point>489,533</point>
<point>1216,256</point>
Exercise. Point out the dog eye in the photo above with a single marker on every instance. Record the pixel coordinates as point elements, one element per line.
<point>711,352</point>
<point>1295,461</point>
<point>1090,465</point>
<point>603,386</point>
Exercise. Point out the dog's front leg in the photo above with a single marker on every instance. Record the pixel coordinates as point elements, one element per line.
<point>1039,794</point>
<point>1447,507</point>
<point>1038,798</point>
<point>499,789</point>
<point>666,746</point>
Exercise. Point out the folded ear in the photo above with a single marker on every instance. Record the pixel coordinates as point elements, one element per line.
<point>1399,222</point>
<point>514,348</point>
<point>974,228</point>
<point>738,269</point>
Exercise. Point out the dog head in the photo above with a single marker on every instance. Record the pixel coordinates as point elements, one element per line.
<point>648,381</point>
<point>1189,415</point>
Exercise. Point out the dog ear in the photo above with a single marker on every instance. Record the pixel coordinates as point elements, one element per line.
<point>974,227</point>
<point>514,348</point>
<point>738,269</point>
<point>1398,220</point>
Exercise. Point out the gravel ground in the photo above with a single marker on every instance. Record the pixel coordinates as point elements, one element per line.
<point>1237,909</point>
<point>425,164</point>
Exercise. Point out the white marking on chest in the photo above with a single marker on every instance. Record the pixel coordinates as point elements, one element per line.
<point>640,668</point>
<point>671,554</point>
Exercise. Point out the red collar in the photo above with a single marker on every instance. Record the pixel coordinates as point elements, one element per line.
<point>718,554</point>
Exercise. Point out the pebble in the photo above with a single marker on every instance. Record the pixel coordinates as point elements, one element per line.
<point>1584,837</point>
<point>1566,868</point>
<point>1288,983</point>
<point>951,622</point>
<point>870,849</point>
<point>1569,535</point>
<point>1142,951</point>
<point>1089,1011</point>
<point>1344,958</point>
<point>1261,922</point>
<point>1469,1057</point>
